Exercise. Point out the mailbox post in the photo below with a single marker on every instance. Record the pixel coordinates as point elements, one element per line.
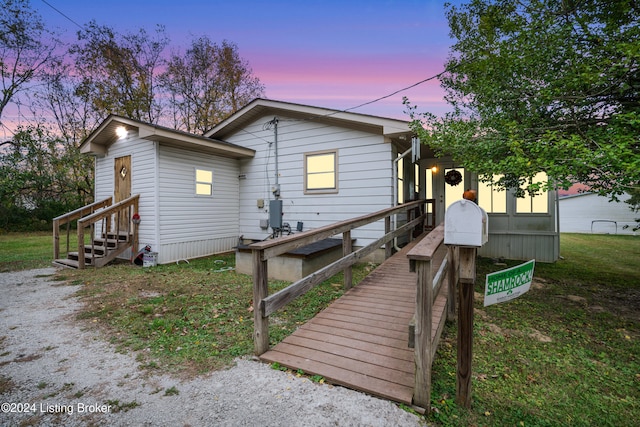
<point>466,226</point>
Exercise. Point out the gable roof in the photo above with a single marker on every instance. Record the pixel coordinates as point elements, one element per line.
<point>99,141</point>
<point>260,107</point>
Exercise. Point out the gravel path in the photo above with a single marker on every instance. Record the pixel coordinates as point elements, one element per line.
<point>56,371</point>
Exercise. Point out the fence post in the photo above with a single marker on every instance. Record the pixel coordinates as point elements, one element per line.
<point>56,239</point>
<point>260,291</point>
<point>467,271</point>
<point>80,245</point>
<point>346,250</point>
<point>388,247</point>
<point>452,281</point>
<point>423,344</point>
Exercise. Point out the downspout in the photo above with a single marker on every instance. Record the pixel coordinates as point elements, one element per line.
<point>395,193</point>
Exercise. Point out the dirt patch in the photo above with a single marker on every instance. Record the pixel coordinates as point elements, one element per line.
<point>69,375</point>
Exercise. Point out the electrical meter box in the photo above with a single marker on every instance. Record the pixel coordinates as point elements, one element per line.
<point>275,214</point>
<point>466,224</point>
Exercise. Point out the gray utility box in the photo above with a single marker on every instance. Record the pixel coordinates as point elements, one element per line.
<point>466,224</point>
<point>275,214</point>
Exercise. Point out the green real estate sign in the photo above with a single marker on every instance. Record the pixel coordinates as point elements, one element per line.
<point>508,284</point>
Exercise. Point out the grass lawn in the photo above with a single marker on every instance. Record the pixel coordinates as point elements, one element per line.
<point>565,353</point>
<point>22,251</point>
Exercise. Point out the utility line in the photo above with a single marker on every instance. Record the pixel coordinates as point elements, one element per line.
<point>57,10</point>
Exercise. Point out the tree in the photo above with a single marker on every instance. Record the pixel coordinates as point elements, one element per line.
<point>542,85</point>
<point>119,71</point>
<point>39,179</point>
<point>23,51</point>
<point>208,84</point>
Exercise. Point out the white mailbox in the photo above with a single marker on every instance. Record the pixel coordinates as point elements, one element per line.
<point>466,224</point>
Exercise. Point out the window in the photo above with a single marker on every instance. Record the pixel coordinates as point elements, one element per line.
<point>321,172</point>
<point>204,182</point>
<point>491,199</point>
<point>536,204</point>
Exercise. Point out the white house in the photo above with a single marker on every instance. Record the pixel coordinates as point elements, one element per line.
<point>293,167</point>
<point>592,213</point>
<point>188,185</point>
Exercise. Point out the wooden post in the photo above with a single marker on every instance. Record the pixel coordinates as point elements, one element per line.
<point>452,281</point>
<point>56,239</point>
<point>423,344</point>
<point>467,273</point>
<point>388,247</point>
<point>80,245</point>
<point>260,291</point>
<point>346,250</point>
<point>136,207</point>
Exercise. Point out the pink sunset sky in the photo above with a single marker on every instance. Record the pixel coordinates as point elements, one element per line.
<point>334,54</point>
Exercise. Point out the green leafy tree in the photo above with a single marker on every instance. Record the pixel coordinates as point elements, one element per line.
<point>208,84</point>
<point>542,85</point>
<point>119,71</point>
<point>40,178</point>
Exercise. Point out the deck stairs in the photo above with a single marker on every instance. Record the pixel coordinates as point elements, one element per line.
<point>104,250</point>
<point>96,242</point>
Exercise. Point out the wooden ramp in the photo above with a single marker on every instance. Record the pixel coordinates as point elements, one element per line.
<point>361,340</point>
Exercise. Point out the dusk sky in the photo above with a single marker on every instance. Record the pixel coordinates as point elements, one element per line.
<point>334,54</point>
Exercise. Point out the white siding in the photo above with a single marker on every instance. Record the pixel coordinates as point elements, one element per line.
<point>578,212</point>
<point>364,176</point>
<point>190,225</point>
<point>143,182</point>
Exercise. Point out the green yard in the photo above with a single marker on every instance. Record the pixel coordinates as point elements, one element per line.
<point>565,353</point>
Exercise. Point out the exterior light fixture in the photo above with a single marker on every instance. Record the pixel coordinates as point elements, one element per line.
<point>121,131</point>
<point>434,169</point>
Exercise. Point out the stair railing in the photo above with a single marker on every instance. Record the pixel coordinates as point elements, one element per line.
<point>68,218</point>
<point>115,219</point>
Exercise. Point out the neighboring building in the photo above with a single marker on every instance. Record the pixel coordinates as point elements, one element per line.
<point>592,213</point>
<point>202,195</point>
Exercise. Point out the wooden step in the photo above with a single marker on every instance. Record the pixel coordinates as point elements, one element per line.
<point>121,236</point>
<point>88,258</point>
<point>95,249</point>
<point>65,263</point>
<point>111,243</point>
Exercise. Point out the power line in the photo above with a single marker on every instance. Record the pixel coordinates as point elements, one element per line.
<point>61,13</point>
<point>396,92</point>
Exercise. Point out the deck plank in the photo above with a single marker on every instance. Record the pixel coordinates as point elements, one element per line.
<point>361,340</point>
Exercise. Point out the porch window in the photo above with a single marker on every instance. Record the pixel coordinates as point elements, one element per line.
<point>204,182</point>
<point>321,172</point>
<point>491,199</point>
<point>536,204</point>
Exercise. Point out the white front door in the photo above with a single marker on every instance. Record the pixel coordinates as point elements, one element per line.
<point>437,188</point>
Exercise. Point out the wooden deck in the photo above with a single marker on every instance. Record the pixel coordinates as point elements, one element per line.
<point>361,340</point>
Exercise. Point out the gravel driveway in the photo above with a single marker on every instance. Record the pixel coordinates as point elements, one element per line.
<point>56,370</point>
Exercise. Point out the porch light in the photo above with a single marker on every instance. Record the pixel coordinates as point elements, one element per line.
<point>434,169</point>
<point>121,131</point>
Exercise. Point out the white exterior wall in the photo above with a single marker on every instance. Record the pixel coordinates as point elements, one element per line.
<point>193,226</point>
<point>176,223</point>
<point>364,176</point>
<point>143,181</point>
<point>577,213</point>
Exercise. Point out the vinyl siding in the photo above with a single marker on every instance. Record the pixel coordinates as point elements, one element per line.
<point>143,182</point>
<point>193,225</point>
<point>364,176</point>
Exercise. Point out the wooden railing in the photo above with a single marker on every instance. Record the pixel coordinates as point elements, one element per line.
<point>435,299</point>
<point>116,221</point>
<point>68,218</point>
<point>265,305</point>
